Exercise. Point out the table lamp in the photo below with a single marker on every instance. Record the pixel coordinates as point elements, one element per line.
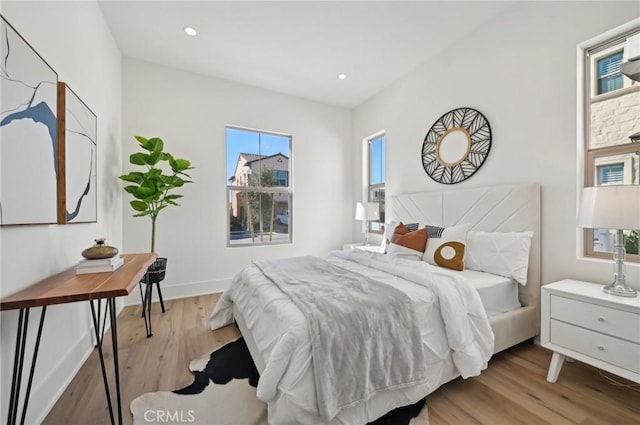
<point>616,208</point>
<point>367,211</point>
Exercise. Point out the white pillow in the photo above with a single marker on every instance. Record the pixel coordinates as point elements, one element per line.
<point>386,237</point>
<point>502,253</point>
<point>446,246</point>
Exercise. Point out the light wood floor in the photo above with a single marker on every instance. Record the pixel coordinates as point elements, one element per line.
<point>513,390</point>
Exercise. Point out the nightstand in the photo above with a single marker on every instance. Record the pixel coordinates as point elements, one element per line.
<point>360,246</point>
<point>580,321</point>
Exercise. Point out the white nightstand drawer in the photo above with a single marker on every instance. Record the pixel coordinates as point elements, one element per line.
<point>612,350</point>
<point>622,324</point>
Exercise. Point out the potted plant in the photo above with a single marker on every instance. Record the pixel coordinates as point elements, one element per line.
<point>151,187</point>
<point>152,190</point>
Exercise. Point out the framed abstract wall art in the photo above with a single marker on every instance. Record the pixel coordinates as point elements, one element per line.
<point>77,146</point>
<point>28,133</point>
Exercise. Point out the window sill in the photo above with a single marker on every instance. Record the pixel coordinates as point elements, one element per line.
<point>608,261</point>
<point>615,93</point>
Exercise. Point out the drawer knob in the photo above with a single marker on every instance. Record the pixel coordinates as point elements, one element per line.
<point>600,319</point>
<point>601,347</point>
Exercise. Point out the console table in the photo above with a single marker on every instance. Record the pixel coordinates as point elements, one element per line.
<point>67,287</point>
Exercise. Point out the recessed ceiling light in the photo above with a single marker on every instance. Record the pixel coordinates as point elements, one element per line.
<point>190,31</point>
<point>342,76</point>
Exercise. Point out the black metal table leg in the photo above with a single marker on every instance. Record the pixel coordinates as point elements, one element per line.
<point>146,306</point>
<point>160,296</point>
<point>102,319</point>
<point>142,298</point>
<point>111,309</point>
<point>18,363</point>
<point>17,368</point>
<point>147,297</point>
<point>114,343</point>
<point>33,365</point>
<point>100,354</point>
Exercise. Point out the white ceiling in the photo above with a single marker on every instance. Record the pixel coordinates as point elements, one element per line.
<point>297,48</point>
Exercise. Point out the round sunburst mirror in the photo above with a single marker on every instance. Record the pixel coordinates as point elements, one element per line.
<point>456,146</point>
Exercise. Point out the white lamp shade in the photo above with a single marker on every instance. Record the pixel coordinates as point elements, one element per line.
<point>610,207</point>
<point>367,211</point>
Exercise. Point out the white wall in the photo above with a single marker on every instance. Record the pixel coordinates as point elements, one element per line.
<point>189,112</point>
<point>74,39</point>
<point>519,70</point>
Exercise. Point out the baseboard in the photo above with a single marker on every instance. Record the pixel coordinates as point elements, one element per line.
<point>183,290</point>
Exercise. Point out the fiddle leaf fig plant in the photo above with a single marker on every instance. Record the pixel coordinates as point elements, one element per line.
<point>153,187</point>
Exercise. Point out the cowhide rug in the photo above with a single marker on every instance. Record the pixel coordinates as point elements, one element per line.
<point>224,393</point>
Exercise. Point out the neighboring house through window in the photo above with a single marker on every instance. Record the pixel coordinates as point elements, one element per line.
<point>376,165</point>
<point>611,129</point>
<point>258,187</point>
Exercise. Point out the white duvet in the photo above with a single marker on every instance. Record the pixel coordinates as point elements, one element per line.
<point>462,347</point>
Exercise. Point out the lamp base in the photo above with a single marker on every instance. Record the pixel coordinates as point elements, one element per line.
<point>619,286</point>
<point>621,290</point>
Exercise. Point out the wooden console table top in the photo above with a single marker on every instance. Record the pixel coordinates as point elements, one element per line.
<point>66,286</point>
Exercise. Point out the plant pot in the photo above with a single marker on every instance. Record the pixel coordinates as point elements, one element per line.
<point>155,272</point>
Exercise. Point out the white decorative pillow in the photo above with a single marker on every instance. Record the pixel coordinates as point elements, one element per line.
<point>446,246</point>
<point>502,253</point>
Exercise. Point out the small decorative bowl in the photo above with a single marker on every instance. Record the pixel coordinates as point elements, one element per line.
<point>99,250</point>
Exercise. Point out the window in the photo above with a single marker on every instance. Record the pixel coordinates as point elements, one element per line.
<point>376,159</point>
<point>258,187</point>
<point>609,76</point>
<point>610,174</point>
<point>611,126</point>
<point>281,178</point>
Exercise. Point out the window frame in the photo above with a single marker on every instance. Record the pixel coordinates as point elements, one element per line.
<point>589,55</point>
<point>370,188</point>
<point>231,189</point>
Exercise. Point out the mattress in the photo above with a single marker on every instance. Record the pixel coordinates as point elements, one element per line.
<point>498,294</point>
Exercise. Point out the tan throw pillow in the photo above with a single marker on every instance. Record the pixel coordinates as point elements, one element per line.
<point>407,244</point>
<point>446,246</point>
<point>389,228</point>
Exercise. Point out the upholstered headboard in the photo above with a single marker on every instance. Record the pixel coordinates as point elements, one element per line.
<point>512,208</point>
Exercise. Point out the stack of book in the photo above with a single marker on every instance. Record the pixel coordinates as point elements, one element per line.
<point>99,266</point>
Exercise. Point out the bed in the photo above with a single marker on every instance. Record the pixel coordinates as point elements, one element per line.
<point>266,316</point>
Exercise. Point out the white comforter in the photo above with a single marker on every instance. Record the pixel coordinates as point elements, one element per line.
<point>462,347</point>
